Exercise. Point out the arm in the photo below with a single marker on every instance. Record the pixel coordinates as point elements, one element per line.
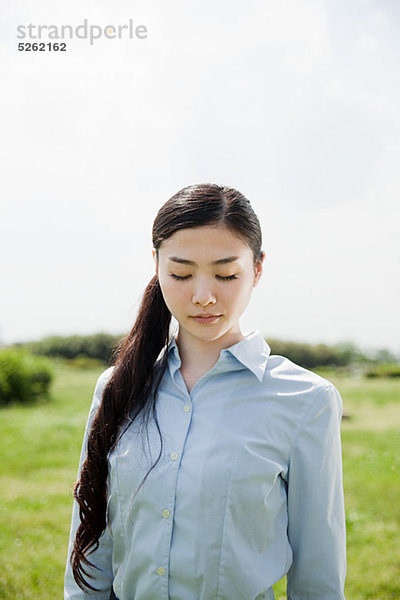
<point>102,557</point>
<point>315,503</point>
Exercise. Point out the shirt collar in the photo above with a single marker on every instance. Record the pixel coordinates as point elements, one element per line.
<point>252,352</point>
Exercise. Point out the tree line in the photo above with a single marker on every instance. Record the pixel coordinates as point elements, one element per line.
<point>101,346</point>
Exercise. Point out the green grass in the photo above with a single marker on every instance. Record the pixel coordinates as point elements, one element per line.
<point>39,453</point>
<point>38,457</point>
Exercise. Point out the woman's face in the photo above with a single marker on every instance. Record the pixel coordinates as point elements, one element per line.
<point>207,270</point>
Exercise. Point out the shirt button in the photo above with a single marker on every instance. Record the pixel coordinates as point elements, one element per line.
<point>173,455</point>
<point>186,408</point>
<point>165,513</point>
<point>161,571</point>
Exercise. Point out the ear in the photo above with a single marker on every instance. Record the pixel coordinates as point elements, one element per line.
<point>258,268</point>
<point>155,260</point>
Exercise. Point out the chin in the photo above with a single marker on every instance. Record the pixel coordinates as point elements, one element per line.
<point>208,333</point>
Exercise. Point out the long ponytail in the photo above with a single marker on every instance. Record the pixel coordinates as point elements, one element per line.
<point>131,389</point>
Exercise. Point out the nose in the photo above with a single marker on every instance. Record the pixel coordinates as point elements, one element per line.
<point>203,294</point>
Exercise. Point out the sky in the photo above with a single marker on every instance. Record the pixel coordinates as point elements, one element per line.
<point>295,103</point>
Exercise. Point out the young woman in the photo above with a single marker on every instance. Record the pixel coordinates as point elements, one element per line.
<point>209,468</point>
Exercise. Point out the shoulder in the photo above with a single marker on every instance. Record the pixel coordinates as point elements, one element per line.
<point>304,387</point>
<point>103,378</point>
<point>98,390</point>
<point>283,371</point>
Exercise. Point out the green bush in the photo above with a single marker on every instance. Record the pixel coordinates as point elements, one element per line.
<point>23,377</point>
<point>384,370</point>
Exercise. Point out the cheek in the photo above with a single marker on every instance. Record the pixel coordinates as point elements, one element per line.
<point>243,294</point>
<point>173,294</point>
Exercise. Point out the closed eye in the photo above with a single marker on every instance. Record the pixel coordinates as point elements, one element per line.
<point>228,278</point>
<point>182,277</point>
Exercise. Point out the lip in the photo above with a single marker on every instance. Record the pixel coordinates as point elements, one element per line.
<point>205,318</point>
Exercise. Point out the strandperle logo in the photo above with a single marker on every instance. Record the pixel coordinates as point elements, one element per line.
<point>85,31</point>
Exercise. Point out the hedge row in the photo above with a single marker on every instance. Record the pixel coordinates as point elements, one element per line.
<point>310,356</point>
<point>99,346</point>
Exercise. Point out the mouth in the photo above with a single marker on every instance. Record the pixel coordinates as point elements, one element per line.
<point>206,318</point>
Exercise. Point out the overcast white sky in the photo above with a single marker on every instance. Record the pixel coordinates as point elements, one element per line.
<point>295,103</point>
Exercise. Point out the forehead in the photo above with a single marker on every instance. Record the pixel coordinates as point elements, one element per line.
<point>206,242</point>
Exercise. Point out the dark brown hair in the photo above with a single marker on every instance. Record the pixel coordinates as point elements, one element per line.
<point>141,358</point>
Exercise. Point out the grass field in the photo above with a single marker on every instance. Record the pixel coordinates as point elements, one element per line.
<point>38,460</point>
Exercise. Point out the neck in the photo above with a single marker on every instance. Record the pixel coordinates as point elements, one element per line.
<point>198,355</point>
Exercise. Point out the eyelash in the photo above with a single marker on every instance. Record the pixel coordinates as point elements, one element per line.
<point>182,278</point>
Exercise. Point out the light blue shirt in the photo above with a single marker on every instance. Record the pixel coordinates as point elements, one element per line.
<point>248,488</point>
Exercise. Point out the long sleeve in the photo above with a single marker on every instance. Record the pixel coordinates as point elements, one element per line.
<point>102,557</point>
<point>315,503</point>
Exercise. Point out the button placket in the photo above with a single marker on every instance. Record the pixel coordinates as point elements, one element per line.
<point>166,513</point>
<point>179,432</point>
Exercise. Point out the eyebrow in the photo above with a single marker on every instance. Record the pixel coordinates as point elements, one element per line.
<point>221,261</point>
